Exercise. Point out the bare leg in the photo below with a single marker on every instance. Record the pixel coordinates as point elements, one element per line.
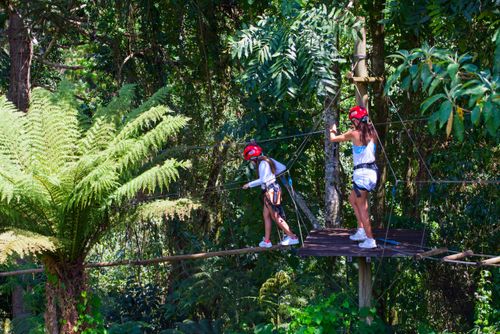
<point>282,224</point>
<point>354,204</point>
<point>362,204</point>
<point>267,222</point>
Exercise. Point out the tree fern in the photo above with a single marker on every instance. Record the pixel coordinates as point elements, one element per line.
<point>63,180</point>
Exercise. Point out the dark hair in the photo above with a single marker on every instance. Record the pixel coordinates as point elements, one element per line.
<point>367,131</point>
<point>269,161</point>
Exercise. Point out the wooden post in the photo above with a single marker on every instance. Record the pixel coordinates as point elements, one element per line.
<point>365,283</point>
<point>360,70</point>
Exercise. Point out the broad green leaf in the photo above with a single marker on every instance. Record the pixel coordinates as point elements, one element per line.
<point>435,83</point>
<point>428,102</point>
<point>470,68</point>
<point>426,77</point>
<point>458,128</point>
<point>406,83</point>
<point>452,70</point>
<point>449,124</point>
<point>432,122</point>
<point>488,110</point>
<point>444,112</point>
<point>413,71</point>
<point>475,115</point>
<point>477,90</point>
<point>490,126</point>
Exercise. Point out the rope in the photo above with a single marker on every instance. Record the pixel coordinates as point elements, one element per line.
<point>291,192</point>
<point>411,138</point>
<point>394,188</point>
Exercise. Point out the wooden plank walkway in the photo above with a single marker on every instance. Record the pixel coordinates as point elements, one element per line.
<point>336,242</point>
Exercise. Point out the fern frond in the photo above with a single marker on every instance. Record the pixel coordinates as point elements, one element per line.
<point>13,141</point>
<point>158,98</point>
<point>96,185</point>
<point>167,208</point>
<point>143,122</point>
<point>158,177</point>
<point>153,141</point>
<point>24,243</point>
<point>97,137</point>
<point>119,106</point>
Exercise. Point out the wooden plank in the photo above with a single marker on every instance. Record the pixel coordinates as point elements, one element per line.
<point>336,242</point>
<point>458,256</point>
<point>493,260</point>
<point>435,251</point>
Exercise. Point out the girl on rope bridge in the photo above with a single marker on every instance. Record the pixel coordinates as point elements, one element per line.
<point>364,177</point>
<point>267,169</point>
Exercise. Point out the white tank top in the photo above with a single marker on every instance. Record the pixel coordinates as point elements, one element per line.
<point>364,154</point>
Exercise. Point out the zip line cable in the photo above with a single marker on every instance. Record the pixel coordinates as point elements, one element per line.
<point>267,140</point>
<point>411,138</point>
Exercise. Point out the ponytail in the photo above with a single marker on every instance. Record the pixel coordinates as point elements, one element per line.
<point>367,131</point>
<point>269,161</point>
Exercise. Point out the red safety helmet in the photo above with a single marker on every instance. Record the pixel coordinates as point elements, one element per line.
<point>358,113</point>
<point>252,151</point>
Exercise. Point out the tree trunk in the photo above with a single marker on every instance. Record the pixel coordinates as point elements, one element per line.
<point>380,108</point>
<point>21,52</point>
<point>211,196</point>
<point>65,284</point>
<point>18,307</point>
<point>332,165</point>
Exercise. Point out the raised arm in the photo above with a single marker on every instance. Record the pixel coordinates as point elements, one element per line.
<point>346,136</point>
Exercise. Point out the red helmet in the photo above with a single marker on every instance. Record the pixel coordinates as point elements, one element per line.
<point>358,113</point>
<point>252,151</point>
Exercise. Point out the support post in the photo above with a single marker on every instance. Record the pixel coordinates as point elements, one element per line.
<point>360,70</point>
<point>365,284</point>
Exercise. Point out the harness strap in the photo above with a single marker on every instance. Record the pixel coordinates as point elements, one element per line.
<point>369,165</point>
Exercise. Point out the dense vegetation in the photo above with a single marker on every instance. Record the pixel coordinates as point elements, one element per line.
<point>121,133</point>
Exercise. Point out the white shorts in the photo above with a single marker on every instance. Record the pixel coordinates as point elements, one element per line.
<point>365,179</point>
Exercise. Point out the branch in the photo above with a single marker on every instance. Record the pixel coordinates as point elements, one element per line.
<point>60,66</point>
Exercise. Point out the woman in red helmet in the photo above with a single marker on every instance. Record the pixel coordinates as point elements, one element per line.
<point>363,136</point>
<point>267,169</point>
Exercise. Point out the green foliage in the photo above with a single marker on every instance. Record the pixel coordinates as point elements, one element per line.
<point>62,180</point>
<point>487,318</point>
<point>293,53</point>
<point>333,314</point>
<point>274,295</point>
<point>203,326</point>
<point>90,320</point>
<point>455,82</point>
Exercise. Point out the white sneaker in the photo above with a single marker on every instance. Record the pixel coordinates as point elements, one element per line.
<point>368,243</point>
<point>287,241</point>
<point>360,235</point>
<point>265,244</point>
